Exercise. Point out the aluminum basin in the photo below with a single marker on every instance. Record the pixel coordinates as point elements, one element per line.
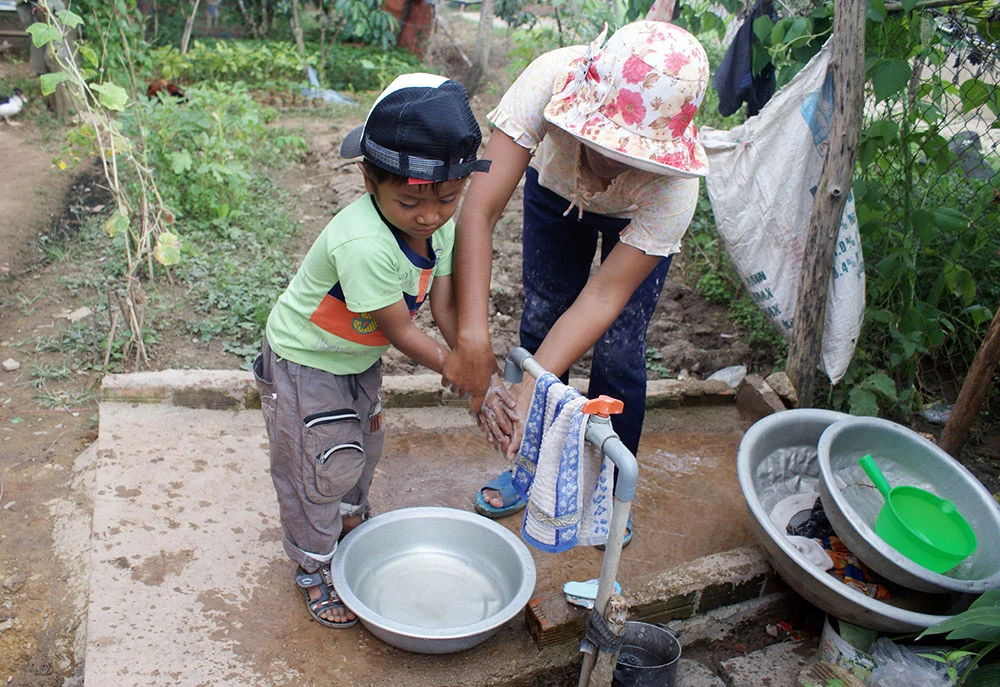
<point>777,458</point>
<point>433,580</point>
<point>853,504</point>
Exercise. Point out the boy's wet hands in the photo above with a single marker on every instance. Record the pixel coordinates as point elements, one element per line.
<point>498,418</point>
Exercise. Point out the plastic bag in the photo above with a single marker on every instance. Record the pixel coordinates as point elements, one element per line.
<point>762,180</point>
<point>900,666</point>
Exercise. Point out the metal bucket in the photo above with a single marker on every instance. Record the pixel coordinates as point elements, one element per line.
<point>648,658</point>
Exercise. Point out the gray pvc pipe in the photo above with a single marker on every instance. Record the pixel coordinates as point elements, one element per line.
<point>599,431</point>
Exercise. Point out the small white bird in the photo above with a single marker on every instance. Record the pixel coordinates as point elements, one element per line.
<point>12,105</point>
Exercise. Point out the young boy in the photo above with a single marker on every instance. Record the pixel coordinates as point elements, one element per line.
<point>354,295</point>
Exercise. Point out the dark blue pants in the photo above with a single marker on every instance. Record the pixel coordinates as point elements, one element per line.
<point>557,253</point>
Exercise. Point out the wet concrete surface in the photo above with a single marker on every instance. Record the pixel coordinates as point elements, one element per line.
<point>189,586</point>
<point>688,502</point>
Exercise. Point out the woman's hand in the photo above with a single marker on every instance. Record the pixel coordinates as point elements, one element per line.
<point>521,394</point>
<point>502,417</point>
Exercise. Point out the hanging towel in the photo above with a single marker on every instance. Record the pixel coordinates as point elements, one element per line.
<point>566,481</point>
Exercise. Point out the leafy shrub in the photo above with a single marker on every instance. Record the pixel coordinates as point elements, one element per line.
<point>367,22</point>
<point>207,152</point>
<point>980,626</point>
<point>257,63</point>
<point>358,68</point>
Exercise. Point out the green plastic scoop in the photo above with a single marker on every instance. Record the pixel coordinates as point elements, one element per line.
<point>922,526</point>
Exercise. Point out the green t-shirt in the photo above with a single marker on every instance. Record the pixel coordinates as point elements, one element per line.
<point>357,264</point>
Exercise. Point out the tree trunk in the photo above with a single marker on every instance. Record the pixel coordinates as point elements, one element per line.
<point>975,390</point>
<point>300,43</point>
<point>248,20</point>
<point>847,69</point>
<point>481,50</point>
<point>189,26</point>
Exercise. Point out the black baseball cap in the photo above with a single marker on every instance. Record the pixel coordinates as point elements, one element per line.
<point>421,127</point>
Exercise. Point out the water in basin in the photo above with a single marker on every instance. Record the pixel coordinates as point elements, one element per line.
<point>430,589</point>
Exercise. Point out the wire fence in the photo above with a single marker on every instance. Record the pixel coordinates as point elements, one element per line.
<point>929,170</point>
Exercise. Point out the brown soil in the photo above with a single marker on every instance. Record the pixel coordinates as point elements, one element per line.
<point>41,207</point>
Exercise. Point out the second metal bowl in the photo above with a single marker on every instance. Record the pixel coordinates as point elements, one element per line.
<point>852,503</point>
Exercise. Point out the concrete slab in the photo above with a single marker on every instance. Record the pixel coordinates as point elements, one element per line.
<point>778,665</point>
<point>694,674</point>
<point>188,584</point>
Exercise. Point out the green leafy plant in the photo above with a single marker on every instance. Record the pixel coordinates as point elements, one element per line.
<point>140,222</point>
<point>366,21</point>
<point>206,152</point>
<point>258,64</point>
<point>653,364</point>
<point>980,625</point>
<point>356,68</point>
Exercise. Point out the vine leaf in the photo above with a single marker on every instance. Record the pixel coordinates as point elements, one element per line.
<point>116,224</point>
<point>43,34</point>
<point>889,77</point>
<point>69,18</point>
<point>168,249</point>
<point>180,161</point>
<point>111,95</point>
<point>975,94</point>
<point>50,81</point>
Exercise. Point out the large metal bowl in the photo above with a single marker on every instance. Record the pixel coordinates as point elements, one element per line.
<point>433,580</point>
<point>852,503</point>
<point>777,458</point>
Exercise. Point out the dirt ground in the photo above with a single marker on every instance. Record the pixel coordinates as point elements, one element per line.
<point>40,207</point>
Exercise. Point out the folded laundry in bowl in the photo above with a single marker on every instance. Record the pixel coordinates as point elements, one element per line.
<point>816,526</point>
<point>851,571</point>
<point>793,510</point>
<point>812,550</point>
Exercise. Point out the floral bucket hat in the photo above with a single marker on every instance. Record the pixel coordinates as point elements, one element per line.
<point>634,99</point>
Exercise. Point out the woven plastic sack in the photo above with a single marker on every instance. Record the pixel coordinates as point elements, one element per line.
<point>762,180</point>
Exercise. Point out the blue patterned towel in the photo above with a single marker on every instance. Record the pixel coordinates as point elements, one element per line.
<point>566,481</point>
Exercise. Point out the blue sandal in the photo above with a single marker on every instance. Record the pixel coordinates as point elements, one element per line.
<point>626,541</point>
<point>512,501</point>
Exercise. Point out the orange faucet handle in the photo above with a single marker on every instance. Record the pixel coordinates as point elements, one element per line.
<point>603,406</point>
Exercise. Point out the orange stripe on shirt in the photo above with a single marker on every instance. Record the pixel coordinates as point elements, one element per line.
<point>425,280</point>
<point>333,316</point>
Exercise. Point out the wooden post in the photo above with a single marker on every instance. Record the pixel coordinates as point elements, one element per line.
<point>189,26</point>
<point>604,664</point>
<point>847,67</point>
<point>975,389</point>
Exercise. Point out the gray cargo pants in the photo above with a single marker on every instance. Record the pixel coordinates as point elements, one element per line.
<point>326,437</point>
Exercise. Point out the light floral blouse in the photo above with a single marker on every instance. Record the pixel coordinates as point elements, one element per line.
<point>660,207</point>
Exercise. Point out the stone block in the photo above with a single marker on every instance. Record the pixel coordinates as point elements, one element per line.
<point>756,399</point>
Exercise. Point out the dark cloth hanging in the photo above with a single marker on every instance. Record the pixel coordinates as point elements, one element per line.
<point>734,80</point>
